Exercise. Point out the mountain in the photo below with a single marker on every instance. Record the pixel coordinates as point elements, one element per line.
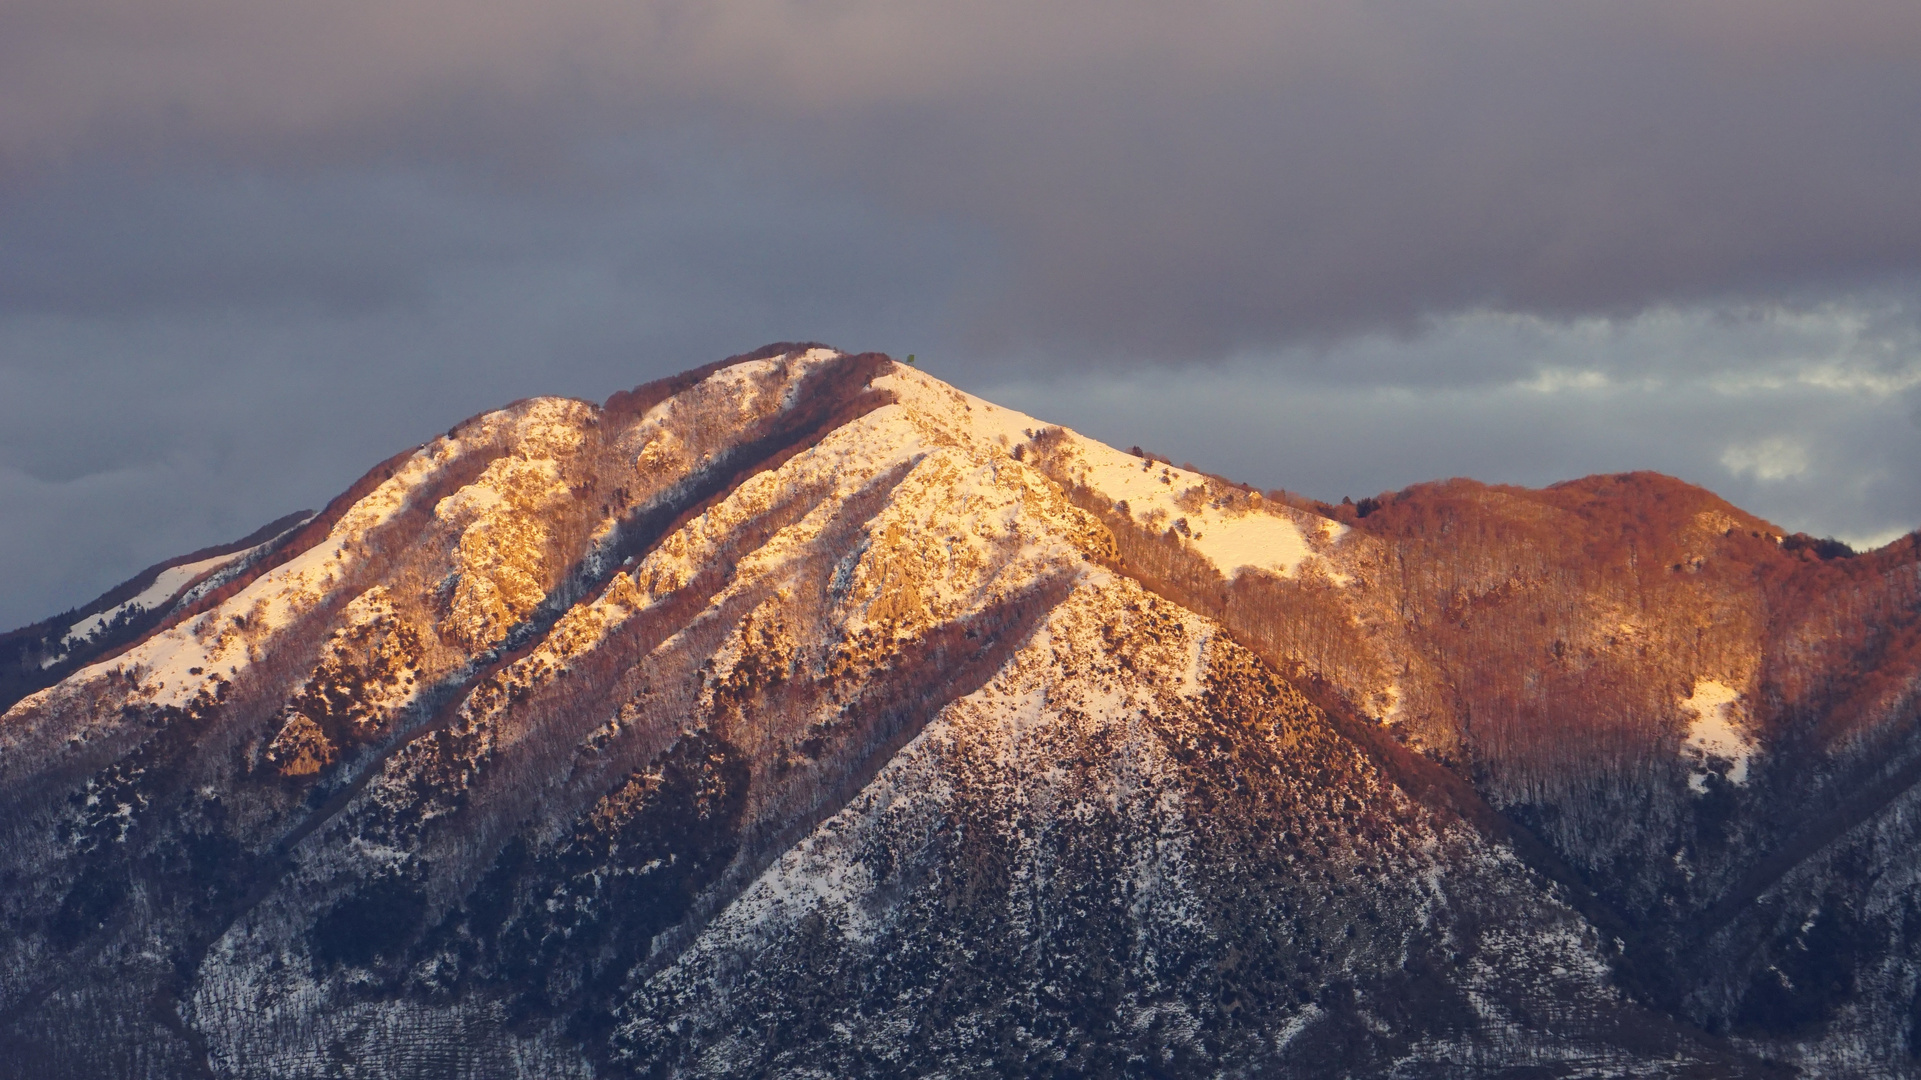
<point>802,715</point>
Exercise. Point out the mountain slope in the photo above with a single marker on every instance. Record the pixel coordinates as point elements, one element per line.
<point>37,656</point>
<point>1702,727</point>
<point>802,715</point>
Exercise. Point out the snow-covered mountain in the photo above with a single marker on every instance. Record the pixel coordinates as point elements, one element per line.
<point>804,716</point>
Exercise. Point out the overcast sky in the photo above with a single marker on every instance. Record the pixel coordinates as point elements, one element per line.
<point>249,249</point>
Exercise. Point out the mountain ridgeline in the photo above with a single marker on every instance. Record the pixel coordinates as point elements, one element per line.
<point>804,716</point>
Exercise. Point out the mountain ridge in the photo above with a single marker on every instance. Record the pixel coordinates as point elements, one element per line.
<point>526,743</point>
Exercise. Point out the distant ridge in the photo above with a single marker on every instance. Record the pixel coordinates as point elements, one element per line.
<point>23,652</point>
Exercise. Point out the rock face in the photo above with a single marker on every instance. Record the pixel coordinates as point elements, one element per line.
<point>804,716</point>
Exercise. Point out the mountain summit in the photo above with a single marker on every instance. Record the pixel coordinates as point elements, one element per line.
<point>802,715</point>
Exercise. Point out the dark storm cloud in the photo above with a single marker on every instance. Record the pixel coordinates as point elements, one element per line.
<point>248,249</point>
<point>1166,179</point>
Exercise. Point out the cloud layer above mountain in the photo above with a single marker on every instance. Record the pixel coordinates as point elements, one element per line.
<point>247,249</point>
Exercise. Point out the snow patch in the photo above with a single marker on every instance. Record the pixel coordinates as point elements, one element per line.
<point>1713,733</point>
<point>171,583</point>
<point>1161,496</point>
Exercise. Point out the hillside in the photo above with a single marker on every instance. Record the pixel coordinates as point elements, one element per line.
<point>804,716</point>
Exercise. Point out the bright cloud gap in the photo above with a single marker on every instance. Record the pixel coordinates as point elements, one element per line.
<point>1808,417</point>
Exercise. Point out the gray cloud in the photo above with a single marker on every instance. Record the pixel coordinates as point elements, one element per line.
<point>1165,181</point>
